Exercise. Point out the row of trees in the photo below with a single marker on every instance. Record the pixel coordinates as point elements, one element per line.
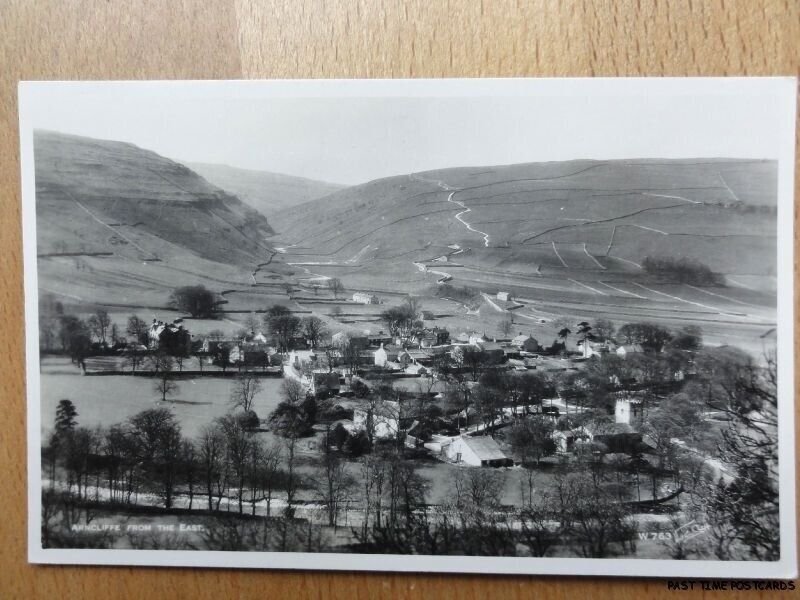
<point>403,320</point>
<point>581,515</point>
<point>681,270</point>
<point>651,336</point>
<point>285,327</point>
<point>71,335</point>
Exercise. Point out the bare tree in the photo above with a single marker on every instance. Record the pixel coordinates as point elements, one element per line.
<point>313,329</point>
<point>506,326</point>
<point>335,286</point>
<point>532,438</point>
<point>536,530</point>
<point>188,454</point>
<point>291,421</point>
<point>745,509</point>
<point>251,323</point>
<point>604,329</point>
<point>373,478</point>
<point>333,485</point>
<point>211,451</point>
<point>158,437</point>
<point>266,472</point>
<point>246,387</point>
<point>477,491</point>
<point>283,325</point>
<point>238,444</point>
<point>99,323</point>
<point>165,384</point>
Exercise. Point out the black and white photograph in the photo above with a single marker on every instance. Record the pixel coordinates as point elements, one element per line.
<point>501,326</point>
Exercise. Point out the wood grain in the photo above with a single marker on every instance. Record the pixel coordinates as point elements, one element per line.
<point>148,39</point>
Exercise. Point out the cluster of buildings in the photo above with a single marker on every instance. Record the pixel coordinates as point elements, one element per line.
<point>251,350</point>
<point>411,357</point>
<point>590,349</point>
<point>172,338</point>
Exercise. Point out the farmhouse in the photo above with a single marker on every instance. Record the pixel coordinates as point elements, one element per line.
<point>324,383</point>
<point>170,337</point>
<point>629,349</point>
<point>619,437</point>
<point>565,441</point>
<point>298,358</point>
<point>255,338</point>
<point>477,338</point>
<point>600,349</point>
<point>504,296</point>
<point>379,339</point>
<point>432,337</point>
<point>342,339</point>
<point>525,343</point>
<point>416,356</point>
<point>365,298</point>
<point>476,452</point>
<point>491,352</point>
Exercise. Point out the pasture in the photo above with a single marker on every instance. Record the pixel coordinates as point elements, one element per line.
<point>104,401</point>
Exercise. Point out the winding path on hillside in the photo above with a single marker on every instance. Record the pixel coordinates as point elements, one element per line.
<point>453,191</point>
<point>463,222</point>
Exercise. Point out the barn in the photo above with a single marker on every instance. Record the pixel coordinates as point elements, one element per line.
<point>477,452</point>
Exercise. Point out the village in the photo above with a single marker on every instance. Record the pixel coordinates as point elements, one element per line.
<point>343,421</point>
<point>423,365</point>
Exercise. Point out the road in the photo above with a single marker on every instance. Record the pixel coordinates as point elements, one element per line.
<point>452,200</point>
<point>463,222</point>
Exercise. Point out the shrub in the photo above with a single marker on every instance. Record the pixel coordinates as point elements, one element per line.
<point>195,300</point>
<point>358,444</point>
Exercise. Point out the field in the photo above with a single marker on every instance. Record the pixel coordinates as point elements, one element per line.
<point>106,400</point>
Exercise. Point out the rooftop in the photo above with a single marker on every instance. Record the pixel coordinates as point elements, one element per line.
<point>484,447</point>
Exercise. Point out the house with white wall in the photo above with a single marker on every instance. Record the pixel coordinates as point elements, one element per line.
<point>476,451</point>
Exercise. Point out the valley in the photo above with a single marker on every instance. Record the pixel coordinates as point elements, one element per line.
<point>433,331</point>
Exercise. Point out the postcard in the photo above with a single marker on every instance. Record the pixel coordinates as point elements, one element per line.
<point>490,326</point>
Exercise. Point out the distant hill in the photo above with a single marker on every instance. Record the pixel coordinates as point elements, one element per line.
<point>98,195</point>
<point>541,217</point>
<point>267,192</point>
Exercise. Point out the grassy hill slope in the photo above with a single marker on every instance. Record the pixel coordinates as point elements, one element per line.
<point>540,216</point>
<point>103,196</point>
<point>567,239</point>
<point>119,224</point>
<point>267,192</point>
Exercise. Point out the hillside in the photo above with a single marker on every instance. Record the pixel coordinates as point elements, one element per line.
<point>267,192</point>
<point>120,224</point>
<point>512,216</point>
<point>568,238</point>
<point>96,195</point>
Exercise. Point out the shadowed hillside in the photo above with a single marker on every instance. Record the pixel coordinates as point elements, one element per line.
<point>103,196</point>
<point>120,225</point>
<point>267,192</point>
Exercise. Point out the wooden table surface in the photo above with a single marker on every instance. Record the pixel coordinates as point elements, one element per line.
<point>227,39</point>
